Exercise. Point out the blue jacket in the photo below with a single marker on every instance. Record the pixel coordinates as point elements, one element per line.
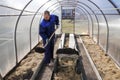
<point>46,28</point>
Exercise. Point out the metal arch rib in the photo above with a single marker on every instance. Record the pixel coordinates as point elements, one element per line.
<point>107,44</point>
<point>40,18</point>
<point>114,6</point>
<point>93,13</point>
<point>34,17</point>
<point>87,16</point>
<point>15,40</point>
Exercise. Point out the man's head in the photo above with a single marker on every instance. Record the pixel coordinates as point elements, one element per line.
<point>46,15</point>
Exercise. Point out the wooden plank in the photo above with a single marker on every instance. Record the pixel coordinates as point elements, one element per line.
<point>39,67</point>
<point>88,70</point>
<point>48,71</point>
<point>44,72</point>
<point>72,41</point>
<point>62,40</point>
<point>91,62</point>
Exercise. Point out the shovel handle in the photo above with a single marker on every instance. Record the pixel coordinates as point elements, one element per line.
<point>50,38</point>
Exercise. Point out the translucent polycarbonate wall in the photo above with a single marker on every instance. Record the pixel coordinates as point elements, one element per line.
<point>8,59</point>
<point>95,27</point>
<point>90,13</point>
<point>19,28</point>
<point>31,32</point>
<point>114,32</point>
<point>105,28</point>
<point>81,22</point>
<point>23,36</point>
<point>20,19</point>
<point>102,32</point>
<point>117,3</point>
<point>35,30</point>
<point>113,22</point>
<point>57,11</point>
<point>8,18</point>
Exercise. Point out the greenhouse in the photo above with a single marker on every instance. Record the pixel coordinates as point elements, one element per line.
<point>85,39</point>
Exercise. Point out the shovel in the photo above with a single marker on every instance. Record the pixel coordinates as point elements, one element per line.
<point>42,49</point>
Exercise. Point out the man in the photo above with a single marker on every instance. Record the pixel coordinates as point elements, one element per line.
<point>46,29</point>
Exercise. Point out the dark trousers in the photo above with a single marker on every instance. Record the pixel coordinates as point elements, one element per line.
<point>48,56</point>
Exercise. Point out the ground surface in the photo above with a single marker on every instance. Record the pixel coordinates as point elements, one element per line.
<point>27,67</point>
<point>67,70</point>
<point>104,64</point>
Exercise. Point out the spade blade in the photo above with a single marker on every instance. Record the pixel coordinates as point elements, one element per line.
<point>39,50</point>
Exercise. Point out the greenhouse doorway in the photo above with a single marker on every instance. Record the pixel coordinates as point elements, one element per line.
<point>68,20</point>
